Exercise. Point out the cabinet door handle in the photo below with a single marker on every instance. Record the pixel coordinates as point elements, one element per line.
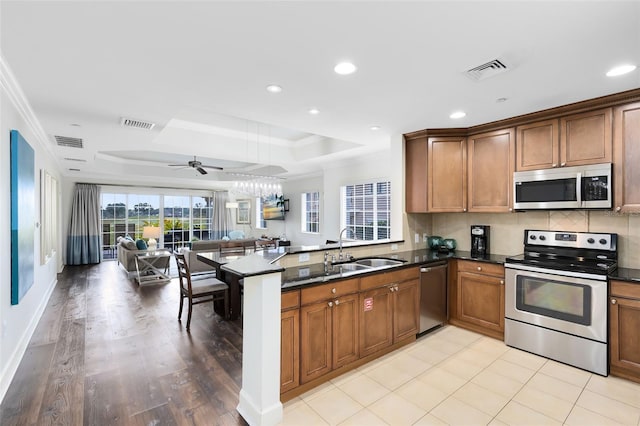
<point>464,210</point>
<point>563,164</point>
<point>501,282</point>
<point>554,165</point>
<point>330,304</point>
<point>618,208</point>
<point>337,302</point>
<point>614,301</point>
<point>391,288</point>
<point>333,290</point>
<point>479,268</point>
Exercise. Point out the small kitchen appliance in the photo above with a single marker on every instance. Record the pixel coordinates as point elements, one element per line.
<point>556,297</point>
<point>479,240</point>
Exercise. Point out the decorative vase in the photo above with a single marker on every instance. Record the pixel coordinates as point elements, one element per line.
<point>449,243</point>
<point>434,242</point>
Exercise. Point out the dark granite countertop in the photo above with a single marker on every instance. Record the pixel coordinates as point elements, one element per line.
<point>626,274</point>
<point>296,277</point>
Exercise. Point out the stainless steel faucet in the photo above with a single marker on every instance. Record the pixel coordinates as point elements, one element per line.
<point>340,256</point>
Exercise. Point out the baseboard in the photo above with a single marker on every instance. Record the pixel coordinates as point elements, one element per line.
<point>13,362</point>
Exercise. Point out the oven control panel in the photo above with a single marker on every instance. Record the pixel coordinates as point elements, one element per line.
<point>579,240</point>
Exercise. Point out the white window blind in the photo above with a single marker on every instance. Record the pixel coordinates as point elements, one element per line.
<point>310,215</point>
<point>366,208</point>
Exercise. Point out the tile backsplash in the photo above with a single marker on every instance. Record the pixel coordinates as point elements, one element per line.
<point>507,230</point>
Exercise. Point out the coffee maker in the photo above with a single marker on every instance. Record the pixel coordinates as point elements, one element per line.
<point>479,240</point>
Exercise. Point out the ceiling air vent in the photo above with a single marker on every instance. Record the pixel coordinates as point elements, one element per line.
<point>75,159</point>
<point>137,124</point>
<point>484,71</point>
<point>68,142</point>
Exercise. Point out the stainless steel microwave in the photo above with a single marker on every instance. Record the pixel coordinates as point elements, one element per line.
<point>579,187</point>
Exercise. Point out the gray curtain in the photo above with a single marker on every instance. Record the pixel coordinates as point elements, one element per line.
<point>83,241</point>
<point>222,222</point>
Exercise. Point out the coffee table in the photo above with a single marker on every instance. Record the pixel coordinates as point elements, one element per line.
<point>152,266</point>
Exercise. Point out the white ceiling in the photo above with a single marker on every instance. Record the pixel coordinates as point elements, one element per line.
<point>199,70</point>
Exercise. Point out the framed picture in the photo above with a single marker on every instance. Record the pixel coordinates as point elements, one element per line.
<point>243,212</point>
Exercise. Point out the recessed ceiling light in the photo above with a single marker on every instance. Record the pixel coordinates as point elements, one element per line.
<point>458,114</point>
<point>374,128</point>
<point>314,111</point>
<point>345,68</point>
<point>74,125</point>
<point>274,88</point>
<point>620,70</point>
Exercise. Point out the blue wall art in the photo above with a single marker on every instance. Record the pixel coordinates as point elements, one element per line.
<point>23,216</point>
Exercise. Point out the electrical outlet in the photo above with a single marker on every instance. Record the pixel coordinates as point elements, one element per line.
<point>424,237</point>
<point>394,247</point>
<point>417,238</point>
<point>303,257</point>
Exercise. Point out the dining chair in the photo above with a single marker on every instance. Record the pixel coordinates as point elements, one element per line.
<point>197,291</point>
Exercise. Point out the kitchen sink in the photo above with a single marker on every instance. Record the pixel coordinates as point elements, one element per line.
<point>378,262</point>
<point>348,267</point>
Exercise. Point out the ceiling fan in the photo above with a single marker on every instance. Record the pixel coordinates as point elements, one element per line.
<point>195,164</point>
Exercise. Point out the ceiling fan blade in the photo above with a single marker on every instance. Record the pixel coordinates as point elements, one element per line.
<point>201,170</point>
<point>177,165</point>
<point>211,167</point>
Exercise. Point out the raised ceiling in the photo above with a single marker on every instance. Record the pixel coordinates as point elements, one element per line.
<point>199,71</point>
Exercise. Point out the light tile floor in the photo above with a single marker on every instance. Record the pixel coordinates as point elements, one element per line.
<point>457,377</point>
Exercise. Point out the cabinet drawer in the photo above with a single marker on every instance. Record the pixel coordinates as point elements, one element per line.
<point>625,289</point>
<point>384,278</point>
<point>481,268</point>
<point>328,291</point>
<point>290,299</point>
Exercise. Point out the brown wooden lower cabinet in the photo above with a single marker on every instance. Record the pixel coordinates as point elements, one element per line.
<point>390,313</point>
<point>344,324</point>
<point>376,320</point>
<point>624,323</point>
<point>328,334</point>
<point>480,298</point>
<point>290,341</point>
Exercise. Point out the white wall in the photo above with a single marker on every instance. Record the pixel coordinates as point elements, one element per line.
<point>17,322</point>
<point>381,165</point>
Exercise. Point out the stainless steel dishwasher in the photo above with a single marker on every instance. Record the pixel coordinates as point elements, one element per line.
<point>433,296</point>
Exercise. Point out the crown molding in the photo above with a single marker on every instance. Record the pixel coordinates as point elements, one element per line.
<point>10,86</point>
<point>613,100</point>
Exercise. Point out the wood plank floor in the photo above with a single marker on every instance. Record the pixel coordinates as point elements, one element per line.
<point>107,352</point>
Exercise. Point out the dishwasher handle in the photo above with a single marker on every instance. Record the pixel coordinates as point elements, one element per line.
<point>433,268</point>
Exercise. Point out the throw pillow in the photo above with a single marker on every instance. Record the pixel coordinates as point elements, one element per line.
<point>130,245</point>
<point>141,245</point>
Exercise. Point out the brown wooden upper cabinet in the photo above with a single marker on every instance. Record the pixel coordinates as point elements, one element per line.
<point>416,174</point>
<point>447,174</point>
<point>490,173</point>
<point>573,140</point>
<point>538,145</point>
<point>586,138</point>
<point>626,135</point>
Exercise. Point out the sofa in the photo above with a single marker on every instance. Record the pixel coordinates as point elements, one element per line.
<point>191,254</point>
<point>126,251</point>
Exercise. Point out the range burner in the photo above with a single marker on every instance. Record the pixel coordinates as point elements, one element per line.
<point>588,252</point>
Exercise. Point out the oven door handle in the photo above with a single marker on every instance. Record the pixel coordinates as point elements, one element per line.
<point>561,273</point>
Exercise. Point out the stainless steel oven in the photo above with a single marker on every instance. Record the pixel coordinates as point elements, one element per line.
<point>556,297</point>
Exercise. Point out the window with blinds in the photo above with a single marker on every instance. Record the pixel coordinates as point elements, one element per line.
<point>366,208</point>
<point>310,212</point>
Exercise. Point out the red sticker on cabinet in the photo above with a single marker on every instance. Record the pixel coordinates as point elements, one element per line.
<point>368,304</point>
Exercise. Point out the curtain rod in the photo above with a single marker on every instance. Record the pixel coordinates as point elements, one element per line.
<point>154,187</point>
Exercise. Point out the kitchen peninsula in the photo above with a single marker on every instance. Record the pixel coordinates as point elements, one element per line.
<point>351,338</point>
